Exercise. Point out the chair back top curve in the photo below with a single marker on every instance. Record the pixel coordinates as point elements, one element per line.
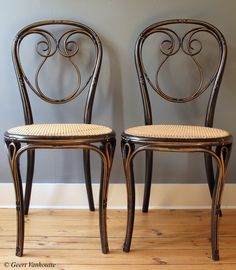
<point>181,36</point>
<point>61,39</point>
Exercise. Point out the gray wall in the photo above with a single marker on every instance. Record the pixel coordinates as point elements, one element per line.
<point>118,100</point>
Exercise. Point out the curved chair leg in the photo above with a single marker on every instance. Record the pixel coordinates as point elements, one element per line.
<point>108,150</point>
<point>148,180</point>
<point>87,174</point>
<point>225,155</point>
<point>210,175</point>
<point>15,169</point>
<point>128,167</point>
<point>29,179</point>
<point>216,199</point>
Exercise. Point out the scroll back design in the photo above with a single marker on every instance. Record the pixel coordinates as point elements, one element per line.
<point>191,46</point>
<point>67,46</point>
<point>49,46</point>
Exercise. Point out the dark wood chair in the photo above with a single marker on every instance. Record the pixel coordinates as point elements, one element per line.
<point>179,38</point>
<point>59,39</point>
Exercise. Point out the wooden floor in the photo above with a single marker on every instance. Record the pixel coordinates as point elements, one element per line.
<point>163,239</point>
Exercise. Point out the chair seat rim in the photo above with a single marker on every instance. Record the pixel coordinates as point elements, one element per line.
<point>59,139</point>
<point>177,141</point>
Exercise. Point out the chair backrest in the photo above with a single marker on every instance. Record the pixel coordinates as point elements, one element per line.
<point>174,41</point>
<point>57,39</point>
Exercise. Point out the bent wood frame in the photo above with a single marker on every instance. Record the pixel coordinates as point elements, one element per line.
<point>214,149</point>
<point>16,145</point>
<point>105,149</point>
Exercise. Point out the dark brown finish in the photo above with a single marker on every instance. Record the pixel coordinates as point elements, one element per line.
<point>66,45</point>
<point>218,149</point>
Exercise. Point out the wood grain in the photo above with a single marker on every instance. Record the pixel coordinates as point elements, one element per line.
<point>163,239</point>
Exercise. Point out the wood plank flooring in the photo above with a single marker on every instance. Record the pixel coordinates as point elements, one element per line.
<point>163,239</point>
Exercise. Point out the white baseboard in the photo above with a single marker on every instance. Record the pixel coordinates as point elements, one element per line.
<point>162,196</point>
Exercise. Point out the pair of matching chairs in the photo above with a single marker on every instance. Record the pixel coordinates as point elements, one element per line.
<point>65,42</point>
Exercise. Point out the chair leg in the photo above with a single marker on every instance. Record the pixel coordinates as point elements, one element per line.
<point>215,213</point>
<point>87,174</point>
<point>223,153</point>
<point>108,150</point>
<point>29,179</point>
<point>15,169</point>
<point>148,180</point>
<point>214,225</point>
<point>128,167</point>
<point>210,175</point>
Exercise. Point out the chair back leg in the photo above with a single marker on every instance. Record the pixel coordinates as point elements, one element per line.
<point>29,179</point>
<point>148,180</point>
<point>87,175</point>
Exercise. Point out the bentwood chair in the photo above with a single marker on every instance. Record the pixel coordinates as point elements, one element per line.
<point>179,38</point>
<point>59,40</point>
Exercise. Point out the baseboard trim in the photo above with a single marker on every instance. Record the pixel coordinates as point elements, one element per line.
<point>164,196</point>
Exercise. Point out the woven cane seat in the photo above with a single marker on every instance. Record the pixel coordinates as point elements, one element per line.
<point>176,132</point>
<point>63,130</point>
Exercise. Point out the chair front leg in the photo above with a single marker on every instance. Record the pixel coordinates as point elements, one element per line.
<point>29,179</point>
<point>148,180</point>
<point>222,161</point>
<point>108,150</point>
<point>127,149</point>
<point>210,174</point>
<point>226,152</point>
<point>15,169</point>
<point>87,175</point>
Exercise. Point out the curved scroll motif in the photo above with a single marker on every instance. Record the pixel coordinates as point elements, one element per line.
<point>67,47</point>
<point>190,45</point>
